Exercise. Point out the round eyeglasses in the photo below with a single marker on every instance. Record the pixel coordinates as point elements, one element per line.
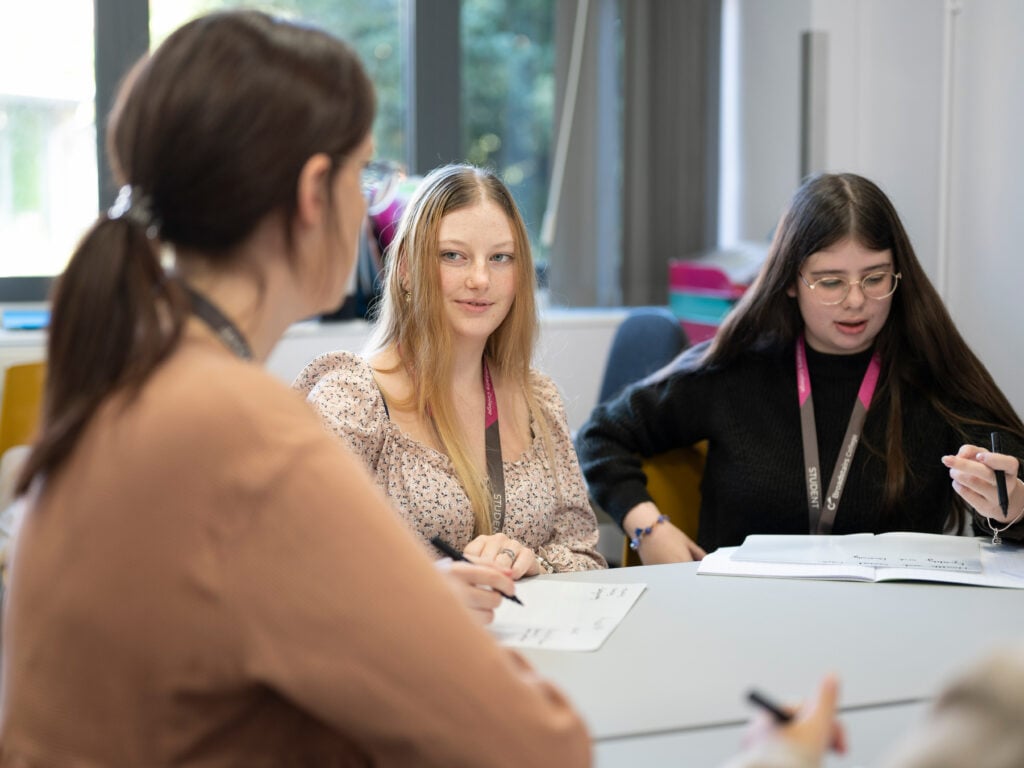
<point>834,290</point>
<point>380,180</point>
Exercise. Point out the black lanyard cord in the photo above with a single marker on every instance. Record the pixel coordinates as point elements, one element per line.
<point>218,322</point>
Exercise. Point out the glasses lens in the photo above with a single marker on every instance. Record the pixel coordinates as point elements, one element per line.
<point>380,179</point>
<point>878,285</point>
<point>831,290</point>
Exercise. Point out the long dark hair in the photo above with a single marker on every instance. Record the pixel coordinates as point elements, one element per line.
<point>920,347</point>
<point>210,133</point>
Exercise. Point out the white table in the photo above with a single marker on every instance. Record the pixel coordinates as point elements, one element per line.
<point>668,687</point>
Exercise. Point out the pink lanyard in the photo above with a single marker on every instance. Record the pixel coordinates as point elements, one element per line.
<point>492,443</point>
<point>821,521</point>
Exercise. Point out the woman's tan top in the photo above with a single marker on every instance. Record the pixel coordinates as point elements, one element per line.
<point>213,580</point>
<point>546,503</point>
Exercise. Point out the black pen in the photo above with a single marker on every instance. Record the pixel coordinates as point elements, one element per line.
<point>781,716</point>
<point>1004,500</point>
<point>446,548</point>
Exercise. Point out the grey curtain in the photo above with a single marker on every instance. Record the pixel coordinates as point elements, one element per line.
<point>584,254</point>
<point>641,180</point>
<point>670,170</point>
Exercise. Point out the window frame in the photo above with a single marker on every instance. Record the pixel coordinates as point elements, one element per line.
<point>432,26</point>
<point>431,29</point>
<point>121,36</point>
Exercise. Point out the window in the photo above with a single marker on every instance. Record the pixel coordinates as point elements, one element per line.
<point>49,173</point>
<point>508,92</point>
<point>372,27</point>
<point>47,134</point>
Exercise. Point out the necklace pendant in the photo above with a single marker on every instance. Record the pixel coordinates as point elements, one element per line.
<point>996,539</point>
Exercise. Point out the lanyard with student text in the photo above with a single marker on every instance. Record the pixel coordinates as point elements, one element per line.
<point>821,521</point>
<point>492,442</point>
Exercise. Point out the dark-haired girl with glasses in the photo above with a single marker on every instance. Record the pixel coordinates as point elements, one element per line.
<point>833,398</point>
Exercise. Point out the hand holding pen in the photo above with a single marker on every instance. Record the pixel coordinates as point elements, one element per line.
<point>1001,492</point>
<point>987,481</point>
<point>447,549</point>
<point>813,728</point>
<point>780,714</point>
<point>1000,476</point>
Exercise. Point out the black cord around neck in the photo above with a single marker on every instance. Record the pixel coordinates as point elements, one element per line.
<point>218,322</point>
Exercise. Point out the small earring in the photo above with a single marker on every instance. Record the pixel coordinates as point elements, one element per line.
<point>407,296</point>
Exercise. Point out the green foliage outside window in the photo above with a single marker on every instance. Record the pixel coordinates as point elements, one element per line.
<point>372,27</point>
<point>508,96</point>
<point>507,78</point>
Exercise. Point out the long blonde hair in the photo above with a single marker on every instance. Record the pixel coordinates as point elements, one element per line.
<point>410,316</point>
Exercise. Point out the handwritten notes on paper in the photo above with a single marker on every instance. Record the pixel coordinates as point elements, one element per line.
<point>563,615</point>
<point>863,557</point>
<point>886,550</point>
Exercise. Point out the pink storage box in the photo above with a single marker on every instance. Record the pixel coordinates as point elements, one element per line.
<point>702,279</point>
<point>703,290</point>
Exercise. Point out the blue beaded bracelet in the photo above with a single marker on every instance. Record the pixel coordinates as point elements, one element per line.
<point>639,533</point>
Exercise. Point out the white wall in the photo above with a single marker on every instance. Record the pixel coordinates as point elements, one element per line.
<point>572,350</point>
<point>924,97</point>
<point>986,222</point>
<point>766,156</point>
<point>883,105</point>
<point>885,100</point>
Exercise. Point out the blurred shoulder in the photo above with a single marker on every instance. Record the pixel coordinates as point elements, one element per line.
<point>333,370</point>
<point>202,390</point>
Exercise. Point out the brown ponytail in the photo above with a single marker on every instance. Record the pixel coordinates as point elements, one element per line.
<point>114,319</point>
<point>213,130</point>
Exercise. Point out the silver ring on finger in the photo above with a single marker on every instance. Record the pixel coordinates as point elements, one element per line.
<point>511,553</point>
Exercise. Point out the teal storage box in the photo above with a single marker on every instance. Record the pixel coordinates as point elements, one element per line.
<point>704,289</point>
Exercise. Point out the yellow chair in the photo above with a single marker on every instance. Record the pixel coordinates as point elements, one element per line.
<point>22,402</point>
<point>673,480</point>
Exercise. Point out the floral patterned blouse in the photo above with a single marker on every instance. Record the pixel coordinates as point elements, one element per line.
<point>552,518</point>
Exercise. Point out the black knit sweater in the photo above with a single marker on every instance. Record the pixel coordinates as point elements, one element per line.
<point>754,478</point>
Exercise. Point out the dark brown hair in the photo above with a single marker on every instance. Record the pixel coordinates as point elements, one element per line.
<point>920,347</point>
<point>210,132</point>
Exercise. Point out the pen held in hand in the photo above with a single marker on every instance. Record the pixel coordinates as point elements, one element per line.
<point>1004,500</point>
<point>781,715</point>
<point>447,549</point>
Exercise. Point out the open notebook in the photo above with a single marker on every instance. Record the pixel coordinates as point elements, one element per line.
<point>867,557</point>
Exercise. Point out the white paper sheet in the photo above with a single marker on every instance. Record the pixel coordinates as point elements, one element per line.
<point>563,615</point>
<point>1001,566</point>
<point>928,551</point>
